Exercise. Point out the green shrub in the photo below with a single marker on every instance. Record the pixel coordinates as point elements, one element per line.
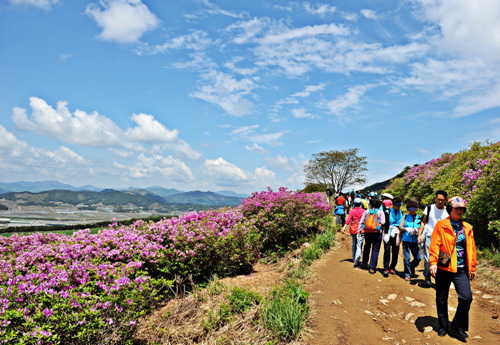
<point>286,311</point>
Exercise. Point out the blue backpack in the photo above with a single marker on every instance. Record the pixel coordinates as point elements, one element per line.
<point>339,210</point>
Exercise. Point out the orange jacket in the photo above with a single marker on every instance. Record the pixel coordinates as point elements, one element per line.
<point>443,238</point>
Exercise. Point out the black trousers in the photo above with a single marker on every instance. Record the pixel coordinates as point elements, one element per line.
<point>391,249</point>
<point>464,292</point>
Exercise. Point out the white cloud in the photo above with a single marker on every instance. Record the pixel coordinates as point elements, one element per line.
<point>96,130</point>
<point>43,4</point>
<point>305,32</point>
<point>215,10</point>
<point>157,165</point>
<point>244,129</point>
<point>79,128</point>
<point>309,89</point>
<point>319,9</point>
<point>17,158</point>
<point>150,130</point>
<point>225,173</point>
<point>123,21</point>
<point>248,133</point>
<point>256,148</point>
<point>369,14</point>
<point>422,151</point>
<point>300,113</point>
<point>264,177</point>
<point>227,92</point>
<point>297,51</point>
<point>281,162</point>
<point>347,100</point>
<point>469,28</point>
<point>196,40</point>
<point>251,29</point>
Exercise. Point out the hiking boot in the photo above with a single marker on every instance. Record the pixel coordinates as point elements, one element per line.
<point>372,271</point>
<point>407,278</point>
<point>386,273</point>
<point>442,332</point>
<point>356,264</point>
<point>393,272</point>
<point>461,335</point>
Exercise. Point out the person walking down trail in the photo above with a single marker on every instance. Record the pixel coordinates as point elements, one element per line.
<point>409,226</point>
<point>391,246</point>
<point>353,221</point>
<point>453,258</point>
<point>371,224</point>
<point>432,214</point>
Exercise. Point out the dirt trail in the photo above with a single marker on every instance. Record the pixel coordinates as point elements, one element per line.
<point>351,306</point>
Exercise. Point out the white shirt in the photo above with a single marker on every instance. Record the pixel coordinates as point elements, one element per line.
<point>432,218</point>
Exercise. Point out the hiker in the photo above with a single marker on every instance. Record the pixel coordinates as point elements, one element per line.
<point>340,209</point>
<point>371,224</point>
<point>409,226</point>
<point>454,237</point>
<point>432,214</point>
<point>353,221</point>
<point>391,245</point>
<point>387,201</point>
<point>364,202</point>
<point>329,194</point>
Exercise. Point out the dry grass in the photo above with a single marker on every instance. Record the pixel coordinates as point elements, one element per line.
<point>181,320</point>
<point>488,277</point>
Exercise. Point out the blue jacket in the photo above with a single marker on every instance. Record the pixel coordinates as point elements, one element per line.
<point>411,223</point>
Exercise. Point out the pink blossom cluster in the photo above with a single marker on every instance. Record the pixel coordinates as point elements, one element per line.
<point>426,172</point>
<point>285,216</point>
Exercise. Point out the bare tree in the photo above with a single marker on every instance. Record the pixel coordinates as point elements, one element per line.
<point>336,169</point>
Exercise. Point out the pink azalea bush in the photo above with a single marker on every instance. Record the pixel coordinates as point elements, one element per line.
<point>283,217</point>
<point>56,288</point>
<point>473,174</point>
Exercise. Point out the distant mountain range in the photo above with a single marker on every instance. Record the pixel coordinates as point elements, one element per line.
<point>53,192</point>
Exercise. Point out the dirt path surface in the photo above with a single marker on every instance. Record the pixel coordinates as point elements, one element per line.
<point>351,306</point>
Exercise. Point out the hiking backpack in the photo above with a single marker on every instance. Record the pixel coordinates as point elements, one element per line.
<point>372,222</point>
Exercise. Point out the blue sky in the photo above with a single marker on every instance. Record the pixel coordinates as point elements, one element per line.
<point>238,95</point>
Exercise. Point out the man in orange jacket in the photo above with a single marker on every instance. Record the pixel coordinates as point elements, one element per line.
<point>456,238</point>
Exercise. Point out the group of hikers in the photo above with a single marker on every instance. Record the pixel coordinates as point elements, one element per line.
<point>439,235</point>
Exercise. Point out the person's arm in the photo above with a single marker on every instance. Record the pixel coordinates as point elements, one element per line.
<point>472,246</point>
<point>434,248</point>
<point>422,225</point>
<point>402,225</point>
<point>382,217</point>
<point>362,220</point>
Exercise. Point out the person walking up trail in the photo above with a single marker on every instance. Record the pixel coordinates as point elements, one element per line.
<point>432,214</point>
<point>353,221</point>
<point>371,224</point>
<point>453,258</point>
<point>391,246</point>
<point>409,226</point>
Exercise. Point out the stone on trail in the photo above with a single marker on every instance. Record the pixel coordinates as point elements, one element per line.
<point>417,304</point>
<point>487,296</point>
<point>384,301</point>
<point>409,299</point>
<point>392,296</point>
<point>408,316</point>
<point>428,329</point>
<point>368,312</point>
<point>451,309</point>
<point>477,337</point>
<point>336,302</point>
